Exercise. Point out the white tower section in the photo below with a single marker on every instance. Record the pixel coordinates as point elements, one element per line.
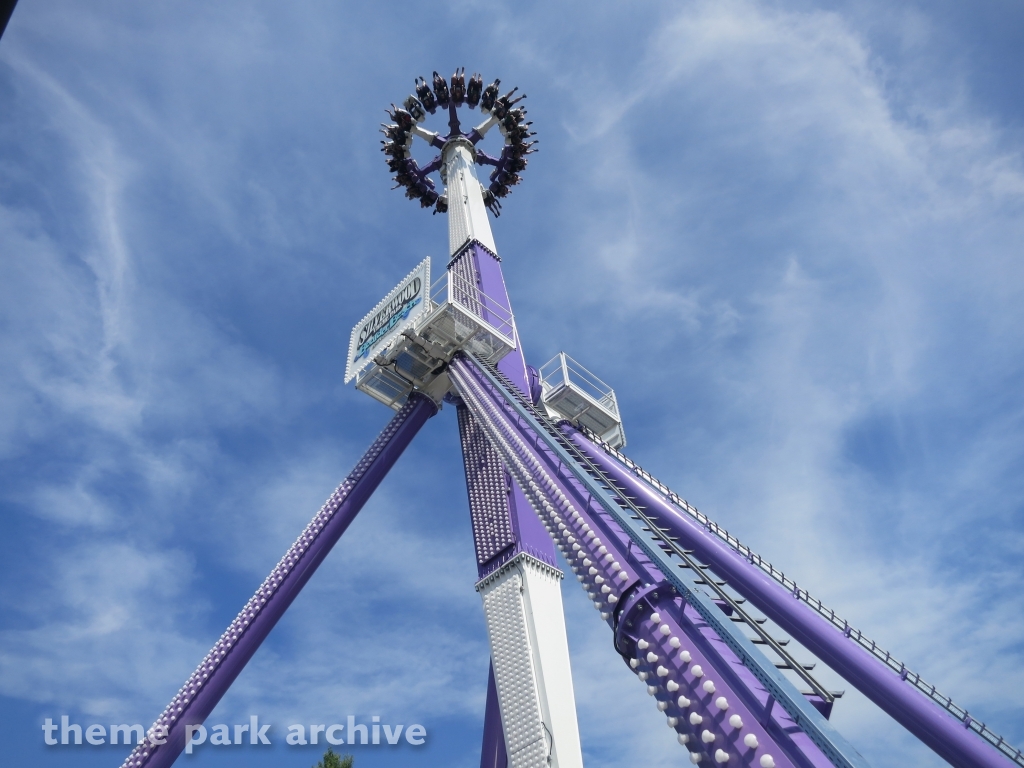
<point>530,656</point>
<point>467,215</point>
<point>523,598</point>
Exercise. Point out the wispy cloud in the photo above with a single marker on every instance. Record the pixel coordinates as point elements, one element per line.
<point>786,237</point>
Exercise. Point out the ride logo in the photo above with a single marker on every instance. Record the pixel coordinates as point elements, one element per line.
<point>393,313</point>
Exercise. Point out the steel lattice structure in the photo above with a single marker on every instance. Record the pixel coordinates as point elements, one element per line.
<point>692,611</point>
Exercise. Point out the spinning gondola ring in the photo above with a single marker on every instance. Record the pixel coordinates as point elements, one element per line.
<point>451,95</point>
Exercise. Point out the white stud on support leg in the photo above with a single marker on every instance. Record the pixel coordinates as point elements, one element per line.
<point>530,655</point>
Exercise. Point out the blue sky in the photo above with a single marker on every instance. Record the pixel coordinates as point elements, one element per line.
<point>788,234</point>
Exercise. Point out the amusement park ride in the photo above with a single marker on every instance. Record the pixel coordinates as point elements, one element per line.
<point>694,613</point>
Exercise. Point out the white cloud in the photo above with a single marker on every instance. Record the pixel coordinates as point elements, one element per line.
<point>839,236</point>
<point>795,259</point>
<point>102,627</point>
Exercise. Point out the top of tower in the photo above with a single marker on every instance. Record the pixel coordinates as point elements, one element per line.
<point>500,110</point>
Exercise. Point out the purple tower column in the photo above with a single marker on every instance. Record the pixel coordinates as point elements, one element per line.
<point>503,522</point>
<point>519,582</point>
<point>493,754</point>
<point>518,575</point>
<point>204,688</point>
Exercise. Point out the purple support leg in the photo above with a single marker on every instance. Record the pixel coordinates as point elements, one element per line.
<point>949,738</point>
<point>211,680</point>
<point>696,681</point>
<point>493,754</point>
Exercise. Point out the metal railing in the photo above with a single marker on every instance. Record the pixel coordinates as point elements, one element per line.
<point>929,690</point>
<point>467,295</point>
<point>562,369</point>
<point>814,725</point>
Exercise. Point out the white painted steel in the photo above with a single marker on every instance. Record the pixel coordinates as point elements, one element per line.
<point>467,214</point>
<point>423,133</point>
<point>486,125</point>
<point>570,391</point>
<point>530,653</point>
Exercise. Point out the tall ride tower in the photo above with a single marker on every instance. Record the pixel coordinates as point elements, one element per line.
<point>697,616</point>
<point>531,714</point>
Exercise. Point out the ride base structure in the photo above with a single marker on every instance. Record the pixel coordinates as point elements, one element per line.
<point>694,613</point>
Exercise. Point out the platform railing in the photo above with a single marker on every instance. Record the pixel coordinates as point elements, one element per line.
<point>562,369</point>
<point>454,289</point>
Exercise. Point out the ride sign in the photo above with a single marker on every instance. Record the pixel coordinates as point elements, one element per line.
<point>393,314</point>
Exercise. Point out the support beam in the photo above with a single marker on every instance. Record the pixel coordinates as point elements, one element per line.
<point>204,688</point>
<point>492,753</point>
<point>949,738</point>
<point>519,582</point>
<point>565,494</point>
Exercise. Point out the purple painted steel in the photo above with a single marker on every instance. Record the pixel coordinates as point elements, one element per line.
<point>948,737</point>
<point>432,166</point>
<point>454,128</point>
<point>214,675</point>
<point>487,485</point>
<point>776,732</point>
<point>493,754</point>
<point>420,174</point>
<point>506,153</point>
<point>600,553</point>
<point>504,524</point>
<point>476,265</point>
<point>536,389</point>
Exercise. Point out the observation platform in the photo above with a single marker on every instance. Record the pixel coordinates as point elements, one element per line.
<point>570,391</point>
<point>456,315</point>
